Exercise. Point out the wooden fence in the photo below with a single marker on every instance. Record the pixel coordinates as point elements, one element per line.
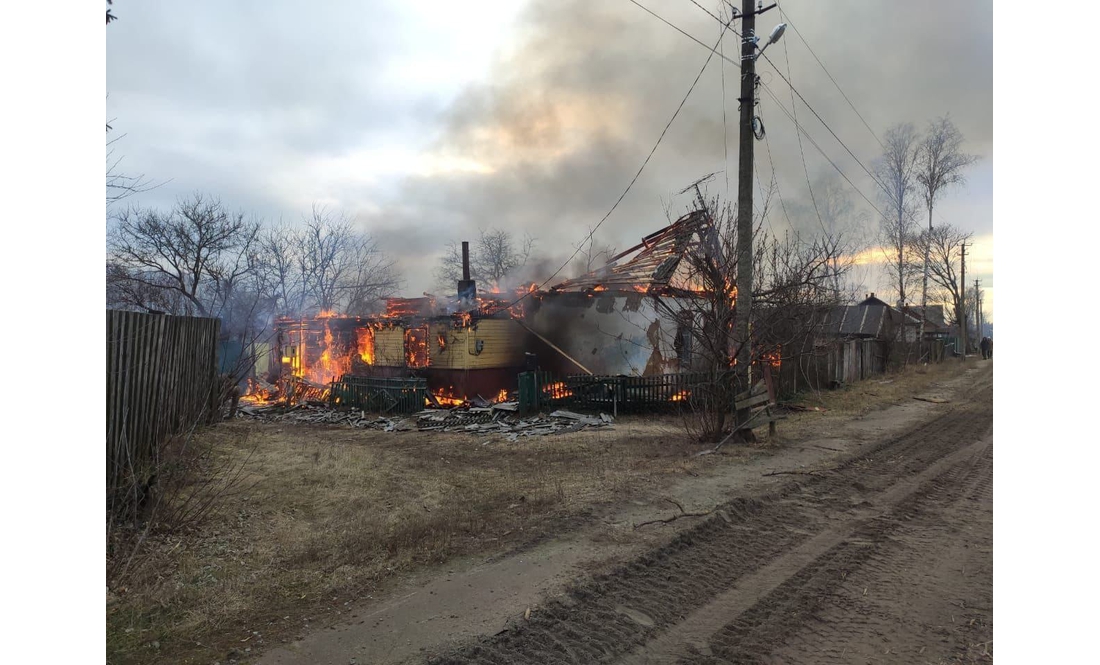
<point>381,395</point>
<point>161,381</point>
<point>848,361</point>
<point>607,393</point>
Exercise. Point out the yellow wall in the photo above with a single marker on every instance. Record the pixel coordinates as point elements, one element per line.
<point>503,344</point>
<point>389,347</point>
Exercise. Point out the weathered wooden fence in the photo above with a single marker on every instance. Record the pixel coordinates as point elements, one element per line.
<point>848,361</point>
<point>161,381</point>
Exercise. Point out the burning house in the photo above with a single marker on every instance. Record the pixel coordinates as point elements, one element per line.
<point>616,320</point>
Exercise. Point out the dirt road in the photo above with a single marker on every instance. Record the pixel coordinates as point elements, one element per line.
<point>884,558</point>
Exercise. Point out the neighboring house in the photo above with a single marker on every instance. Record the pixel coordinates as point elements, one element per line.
<point>935,325</point>
<point>870,319</point>
<point>874,318</point>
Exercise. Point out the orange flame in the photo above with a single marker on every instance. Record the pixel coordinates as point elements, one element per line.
<point>557,390</point>
<point>447,397</point>
<point>330,365</point>
<point>365,337</point>
<point>416,347</point>
<point>256,395</point>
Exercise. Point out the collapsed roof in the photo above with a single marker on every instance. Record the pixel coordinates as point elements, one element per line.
<point>653,264</point>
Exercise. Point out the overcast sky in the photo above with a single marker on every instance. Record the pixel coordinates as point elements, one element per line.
<point>427,120</point>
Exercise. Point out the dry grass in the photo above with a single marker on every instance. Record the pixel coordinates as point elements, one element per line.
<point>331,514</point>
<point>860,398</point>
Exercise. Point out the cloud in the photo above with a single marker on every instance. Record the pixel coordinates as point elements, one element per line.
<point>375,109</point>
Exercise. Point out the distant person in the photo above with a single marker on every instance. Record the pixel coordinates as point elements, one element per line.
<point>991,348</point>
<point>984,344</point>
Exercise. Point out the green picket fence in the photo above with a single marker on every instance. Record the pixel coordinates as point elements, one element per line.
<point>379,395</point>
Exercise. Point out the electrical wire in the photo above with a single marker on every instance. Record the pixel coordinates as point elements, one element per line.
<point>775,179</point>
<point>799,125</point>
<point>820,150</point>
<point>805,167</point>
<point>725,132</point>
<point>633,180</point>
<point>826,125</point>
<point>786,17</point>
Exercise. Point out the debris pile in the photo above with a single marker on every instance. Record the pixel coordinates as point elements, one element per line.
<point>498,418</point>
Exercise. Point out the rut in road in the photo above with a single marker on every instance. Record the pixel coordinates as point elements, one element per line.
<point>604,618</point>
<point>773,620</point>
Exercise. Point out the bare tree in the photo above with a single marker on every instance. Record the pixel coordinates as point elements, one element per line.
<point>278,261</point>
<point>341,266</point>
<point>831,218</point>
<point>795,277</point>
<point>896,171</point>
<point>940,164</point>
<point>494,255</point>
<point>943,246</point>
<point>193,255</point>
<point>592,255</point>
<point>121,185</point>
<point>372,278</point>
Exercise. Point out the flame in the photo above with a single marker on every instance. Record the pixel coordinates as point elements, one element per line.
<point>332,363</point>
<point>416,347</point>
<point>680,396</point>
<point>447,397</point>
<point>365,337</point>
<point>256,395</point>
<point>502,396</point>
<point>774,357</point>
<point>442,339</point>
<point>557,390</point>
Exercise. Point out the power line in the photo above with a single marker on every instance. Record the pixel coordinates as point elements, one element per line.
<point>725,134</point>
<point>707,11</point>
<point>794,120</point>
<point>787,18</point>
<point>827,158</point>
<point>648,157</point>
<point>778,190</point>
<point>822,120</point>
<point>801,151</point>
<point>687,34</point>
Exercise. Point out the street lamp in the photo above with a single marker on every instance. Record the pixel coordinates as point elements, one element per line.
<point>777,32</point>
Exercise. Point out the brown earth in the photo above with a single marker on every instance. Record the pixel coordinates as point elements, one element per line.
<point>380,548</point>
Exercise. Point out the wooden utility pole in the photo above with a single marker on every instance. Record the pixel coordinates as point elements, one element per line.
<point>978,308</point>
<point>962,302</point>
<point>743,302</point>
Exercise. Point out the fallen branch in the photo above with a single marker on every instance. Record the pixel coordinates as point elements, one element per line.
<point>934,400</point>
<point>792,473</point>
<point>674,517</point>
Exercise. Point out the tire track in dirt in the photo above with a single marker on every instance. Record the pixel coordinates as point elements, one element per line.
<point>837,638</point>
<point>604,618</point>
<point>924,596</point>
